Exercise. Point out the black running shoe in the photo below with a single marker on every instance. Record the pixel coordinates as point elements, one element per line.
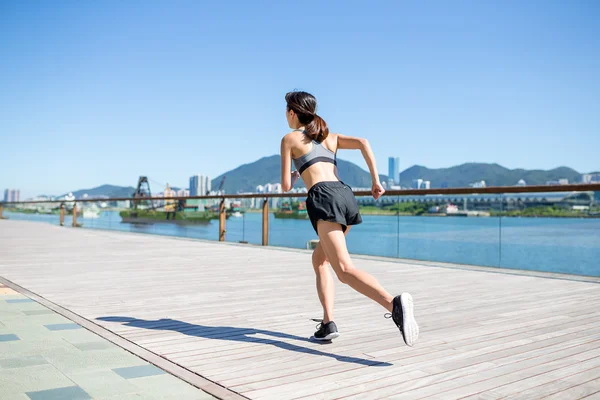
<point>326,331</point>
<point>403,317</point>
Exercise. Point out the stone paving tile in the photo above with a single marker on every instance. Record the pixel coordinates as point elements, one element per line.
<point>31,379</point>
<point>169,388</point>
<point>70,359</point>
<point>128,396</point>
<point>76,336</point>
<point>62,327</point>
<point>103,383</point>
<point>45,311</point>
<point>19,362</point>
<point>91,346</point>
<point>16,301</point>
<point>27,348</point>
<point>8,338</point>
<point>35,322</point>
<point>71,393</point>
<point>138,371</point>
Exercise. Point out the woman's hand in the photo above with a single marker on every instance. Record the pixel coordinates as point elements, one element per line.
<point>295,177</point>
<point>377,190</point>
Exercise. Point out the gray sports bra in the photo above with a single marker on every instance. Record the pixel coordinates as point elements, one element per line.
<point>318,153</point>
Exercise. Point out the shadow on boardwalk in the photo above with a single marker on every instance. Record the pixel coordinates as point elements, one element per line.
<point>238,335</point>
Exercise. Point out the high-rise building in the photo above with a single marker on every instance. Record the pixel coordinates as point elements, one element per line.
<point>394,169</point>
<point>417,183</point>
<point>590,178</point>
<point>12,195</point>
<point>194,181</point>
<point>426,185</point>
<point>199,185</point>
<point>207,185</point>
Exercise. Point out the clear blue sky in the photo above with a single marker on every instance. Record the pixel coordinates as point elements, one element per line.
<point>102,92</point>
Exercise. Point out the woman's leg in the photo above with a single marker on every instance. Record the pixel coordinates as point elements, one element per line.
<point>333,243</point>
<point>325,287</point>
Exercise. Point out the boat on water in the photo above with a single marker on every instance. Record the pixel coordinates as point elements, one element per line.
<point>235,210</point>
<point>91,212</point>
<point>167,217</point>
<point>288,211</point>
<point>285,214</point>
<point>173,211</point>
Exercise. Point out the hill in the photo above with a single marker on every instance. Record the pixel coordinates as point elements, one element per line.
<point>105,191</point>
<point>247,177</point>
<point>493,175</point>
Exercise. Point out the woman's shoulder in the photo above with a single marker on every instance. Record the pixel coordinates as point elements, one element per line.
<point>294,134</point>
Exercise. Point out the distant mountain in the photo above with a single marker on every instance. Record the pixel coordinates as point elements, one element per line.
<point>105,190</point>
<point>492,174</point>
<point>247,177</point>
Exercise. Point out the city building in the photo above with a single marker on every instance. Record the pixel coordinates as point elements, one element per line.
<point>183,193</point>
<point>521,182</point>
<point>200,185</point>
<point>590,178</point>
<point>558,182</point>
<point>271,188</point>
<point>206,186</point>
<point>12,195</point>
<point>416,183</point>
<point>394,170</point>
<point>426,185</point>
<point>479,184</point>
<point>194,180</point>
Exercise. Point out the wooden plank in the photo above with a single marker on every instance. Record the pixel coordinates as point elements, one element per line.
<point>545,384</point>
<point>582,391</point>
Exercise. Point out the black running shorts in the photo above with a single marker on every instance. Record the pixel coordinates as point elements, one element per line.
<point>332,201</point>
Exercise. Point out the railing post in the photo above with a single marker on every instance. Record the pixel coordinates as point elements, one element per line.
<point>1,217</point>
<point>265,223</point>
<point>222,219</point>
<point>62,215</point>
<point>75,215</point>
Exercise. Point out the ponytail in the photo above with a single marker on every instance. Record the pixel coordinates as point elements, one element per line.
<point>317,129</point>
<point>305,106</point>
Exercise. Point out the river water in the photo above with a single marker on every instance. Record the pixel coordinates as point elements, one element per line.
<point>566,245</point>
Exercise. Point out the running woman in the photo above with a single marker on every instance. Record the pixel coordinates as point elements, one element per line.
<point>332,209</point>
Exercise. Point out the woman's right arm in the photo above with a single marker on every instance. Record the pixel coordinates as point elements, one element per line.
<point>362,144</point>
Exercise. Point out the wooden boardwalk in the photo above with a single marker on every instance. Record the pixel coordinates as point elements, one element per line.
<point>239,315</point>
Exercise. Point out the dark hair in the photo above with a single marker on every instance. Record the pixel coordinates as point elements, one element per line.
<point>305,106</point>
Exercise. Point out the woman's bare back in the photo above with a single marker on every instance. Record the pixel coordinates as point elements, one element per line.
<point>318,172</point>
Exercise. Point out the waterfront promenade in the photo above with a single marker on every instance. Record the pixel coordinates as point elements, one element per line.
<point>234,320</point>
